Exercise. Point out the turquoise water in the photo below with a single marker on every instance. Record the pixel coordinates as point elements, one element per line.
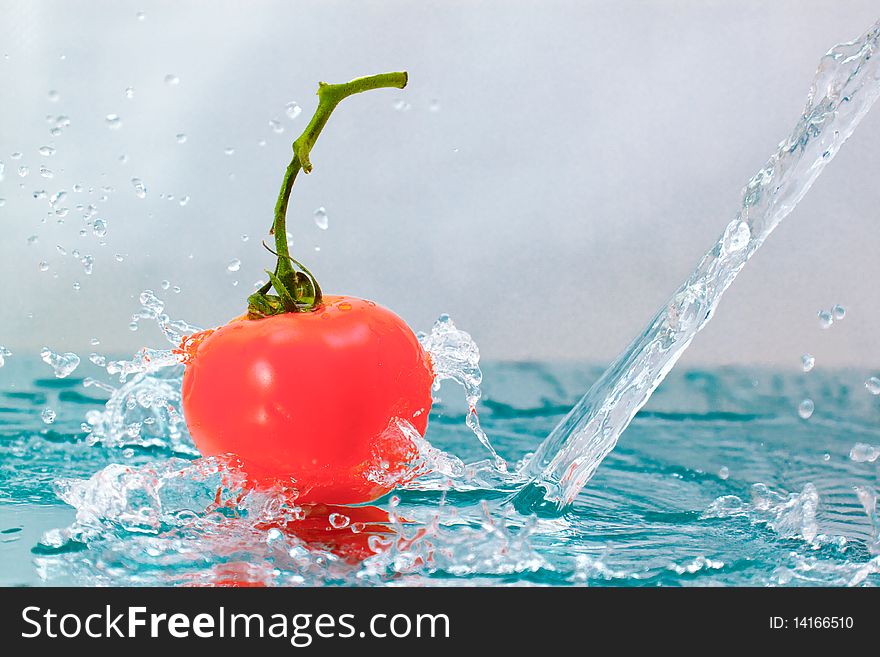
<point>718,481</point>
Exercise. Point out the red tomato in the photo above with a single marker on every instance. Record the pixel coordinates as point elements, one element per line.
<point>311,396</point>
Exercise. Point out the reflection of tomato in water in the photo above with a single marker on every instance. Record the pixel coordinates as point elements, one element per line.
<point>311,396</point>
<point>348,537</point>
<point>235,574</point>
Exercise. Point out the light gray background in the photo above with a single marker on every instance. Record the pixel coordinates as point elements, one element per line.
<point>583,158</point>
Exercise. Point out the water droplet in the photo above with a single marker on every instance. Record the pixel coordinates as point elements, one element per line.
<point>292,110</point>
<point>317,249</point>
<point>16,156</point>
<point>172,80</point>
<point>244,238</point>
<point>434,105</point>
<point>401,105</point>
<point>54,96</point>
<point>826,457</point>
<point>229,150</point>
<point>181,138</point>
<point>183,201</point>
<point>873,385</point>
<point>321,220</point>
<point>98,359</point>
<point>358,527</point>
<point>838,311</point>
<point>113,121</point>
<point>262,142</point>
<point>276,126</point>
<point>808,362</point>
<point>724,472</point>
<point>864,453</point>
<point>234,265</point>
<point>100,228</point>
<point>141,16</point>
<point>46,173</point>
<point>76,285</point>
<point>140,189</point>
<point>119,257</point>
<point>40,193</point>
<point>825,319</point>
<point>165,284</point>
<point>806,408</point>
<point>133,326</point>
<point>4,354</point>
<point>44,266</point>
<point>23,171</point>
<point>345,305</point>
<point>273,535</point>
<point>128,93</point>
<point>94,342</point>
<point>48,416</point>
<point>61,250</point>
<point>62,364</point>
<point>176,289</point>
<point>33,239</point>
<point>47,151</point>
<point>77,187</point>
<point>339,520</point>
<point>128,452</point>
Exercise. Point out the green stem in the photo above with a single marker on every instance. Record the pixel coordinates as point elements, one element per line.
<point>299,289</point>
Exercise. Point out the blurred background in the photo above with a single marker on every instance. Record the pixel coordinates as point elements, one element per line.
<point>552,173</point>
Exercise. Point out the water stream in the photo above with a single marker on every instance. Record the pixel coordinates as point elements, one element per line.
<point>846,85</point>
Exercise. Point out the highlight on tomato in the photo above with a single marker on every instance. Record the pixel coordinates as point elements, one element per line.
<point>306,389</point>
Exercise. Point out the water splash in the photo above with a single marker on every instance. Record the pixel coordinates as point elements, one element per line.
<point>844,89</point>
<point>864,453</point>
<point>868,497</point>
<point>176,513</point>
<point>455,356</point>
<point>790,515</point>
<point>62,365</point>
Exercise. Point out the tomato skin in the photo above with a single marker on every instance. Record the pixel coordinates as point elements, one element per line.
<point>311,396</point>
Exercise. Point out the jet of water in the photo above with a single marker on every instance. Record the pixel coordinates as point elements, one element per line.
<point>846,85</point>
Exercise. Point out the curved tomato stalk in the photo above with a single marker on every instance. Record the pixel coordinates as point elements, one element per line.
<point>296,289</point>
